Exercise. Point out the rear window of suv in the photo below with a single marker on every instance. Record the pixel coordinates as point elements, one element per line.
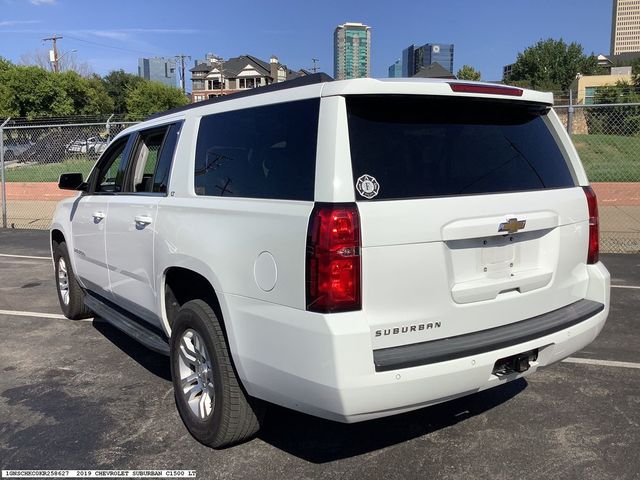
<point>416,147</point>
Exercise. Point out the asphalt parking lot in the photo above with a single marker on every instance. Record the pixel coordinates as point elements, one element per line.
<point>77,395</point>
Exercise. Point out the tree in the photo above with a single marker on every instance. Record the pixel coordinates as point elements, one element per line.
<point>635,72</point>
<point>467,72</point>
<point>100,100</point>
<point>117,84</point>
<point>5,93</point>
<point>615,120</point>
<point>5,101</point>
<point>552,65</point>
<point>34,92</point>
<point>88,95</point>
<point>152,97</point>
<point>28,91</point>
<point>5,65</point>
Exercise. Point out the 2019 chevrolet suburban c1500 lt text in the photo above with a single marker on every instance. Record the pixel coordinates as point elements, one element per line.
<point>349,249</point>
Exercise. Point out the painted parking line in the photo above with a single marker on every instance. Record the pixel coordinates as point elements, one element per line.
<point>602,363</point>
<point>625,286</point>
<point>24,256</point>
<point>18,313</point>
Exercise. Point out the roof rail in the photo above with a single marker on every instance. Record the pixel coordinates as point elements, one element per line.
<point>296,82</point>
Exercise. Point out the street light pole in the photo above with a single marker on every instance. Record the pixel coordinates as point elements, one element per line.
<point>64,55</point>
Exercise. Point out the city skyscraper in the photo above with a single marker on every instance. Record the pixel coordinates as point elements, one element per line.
<point>395,70</point>
<point>414,58</point>
<point>625,27</point>
<point>351,51</point>
<point>158,69</point>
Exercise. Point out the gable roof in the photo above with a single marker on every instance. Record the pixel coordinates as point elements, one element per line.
<point>264,65</point>
<point>201,67</point>
<point>435,70</point>
<point>235,65</point>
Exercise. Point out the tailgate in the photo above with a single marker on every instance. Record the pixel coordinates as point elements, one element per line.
<point>442,269</point>
<point>471,215</point>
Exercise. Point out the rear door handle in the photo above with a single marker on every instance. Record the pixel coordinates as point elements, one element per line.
<point>98,215</point>
<point>144,219</point>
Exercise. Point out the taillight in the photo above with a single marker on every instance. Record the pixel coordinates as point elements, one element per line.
<point>594,230</point>
<point>486,89</point>
<point>333,258</point>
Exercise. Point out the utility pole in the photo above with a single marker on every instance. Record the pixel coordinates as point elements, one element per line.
<point>54,59</point>
<point>314,69</point>
<point>221,67</point>
<point>181,57</point>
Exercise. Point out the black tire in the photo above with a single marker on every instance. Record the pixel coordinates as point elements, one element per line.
<point>74,308</point>
<point>235,417</point>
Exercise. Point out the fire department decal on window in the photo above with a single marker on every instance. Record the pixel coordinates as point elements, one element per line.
<point>367,186</point>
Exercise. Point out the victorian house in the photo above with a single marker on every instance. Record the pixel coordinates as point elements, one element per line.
<point>214,76</point>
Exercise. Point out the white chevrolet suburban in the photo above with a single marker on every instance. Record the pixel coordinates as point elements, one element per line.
<point>349,249</point>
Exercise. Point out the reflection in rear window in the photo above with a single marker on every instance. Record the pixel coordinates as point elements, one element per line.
<point>418,147</point>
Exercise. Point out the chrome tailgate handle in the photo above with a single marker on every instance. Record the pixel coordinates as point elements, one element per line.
<point>499,225</point>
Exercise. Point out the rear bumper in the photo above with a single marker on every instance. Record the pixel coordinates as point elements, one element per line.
<point>486,340</point>
<point>324,364</point>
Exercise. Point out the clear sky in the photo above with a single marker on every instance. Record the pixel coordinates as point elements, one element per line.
<point>112,34</point>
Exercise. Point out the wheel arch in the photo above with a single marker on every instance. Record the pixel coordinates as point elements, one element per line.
<point>187,280</point>
<point>188,283</point>
<point>57,236</point>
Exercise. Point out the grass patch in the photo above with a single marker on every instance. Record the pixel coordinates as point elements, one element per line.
<point>609,158</point>
<point>49,172</point>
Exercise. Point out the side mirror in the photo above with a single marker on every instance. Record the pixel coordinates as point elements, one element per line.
<point>72,181</point>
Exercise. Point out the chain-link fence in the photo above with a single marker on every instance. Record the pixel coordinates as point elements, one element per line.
<point>35,153</point>
<point>607,137</point>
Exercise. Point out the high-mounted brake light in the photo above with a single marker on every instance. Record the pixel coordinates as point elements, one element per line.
<point>594,229</point>
<point>486,89</point>
<point>333,259</point>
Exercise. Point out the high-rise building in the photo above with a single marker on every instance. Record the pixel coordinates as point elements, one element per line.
<point>625,27</point>
<point>158,69</point>
<point>351,51</point>
<point>395,70</point>
<point>414,58</point>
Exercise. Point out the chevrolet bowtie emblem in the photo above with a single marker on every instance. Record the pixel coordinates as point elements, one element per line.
<point>512,225</point>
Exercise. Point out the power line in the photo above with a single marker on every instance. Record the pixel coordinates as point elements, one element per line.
<point>113,46</point>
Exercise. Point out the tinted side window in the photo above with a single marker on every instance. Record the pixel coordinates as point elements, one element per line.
<point>144,160</point>
<point>261,152</point>
<point>161,175</point>
<point>111,170</point>
<point>433,146</point>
